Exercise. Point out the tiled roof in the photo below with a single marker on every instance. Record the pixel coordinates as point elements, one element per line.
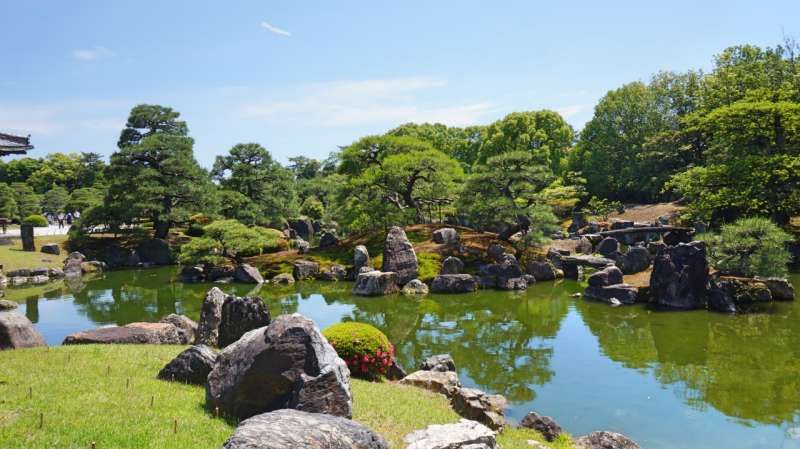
<point>10,144</point>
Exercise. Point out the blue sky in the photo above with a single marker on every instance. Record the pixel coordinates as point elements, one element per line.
<point>302,77</point>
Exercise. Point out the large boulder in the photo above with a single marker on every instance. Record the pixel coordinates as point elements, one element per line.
<point>293,429</point>
<point>17,331</point>
<point>133,333</point>
<point>464,434</point>
<point>442,382</point>
<point>241,315</point>
<point>439,362</point>
<point>673,238</point>
<point>375,283</point>
<point>454,283</point>
<point>288,364</point>
<point>518,283</point>
<point>399,256</point>
<point>6,305</point>
<point>541,270</point>
<point>360,259</point>
<point>445,236</point>
<point>305,269</point>
<point>613,294</point>
<point>304,227</point>
<point>474,404</point>
<point>335,272</point>
<point>191,366</point>
<point>780,288</point>
<point>414,287</point>
<point>248,274</point>
<point>636,260</point>
<point>729,294</point>
<point>452,265</point>
<point>680,277</point>
<point>605,440</point>
<point>187,329</point>
<point>328,240</point>
<point>154,252</point>
<point>608,247</point>
<point>72,264</point>
<point>584,245</point>
<point>545,425</point>
<point>607,276</point>
<point>51,248</point>
<point>210,317</point>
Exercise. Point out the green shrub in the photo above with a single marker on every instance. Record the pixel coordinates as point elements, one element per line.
<point>429,265</point>
<point>272,239</point>
<point>37,221</point>
<point>365,349</point>
<point>750,247</point>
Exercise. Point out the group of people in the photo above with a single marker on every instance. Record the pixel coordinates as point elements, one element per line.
<point>62,219</point>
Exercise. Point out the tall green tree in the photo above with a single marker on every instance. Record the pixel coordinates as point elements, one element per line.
<point>8,203</point>
<point>462,144</point>
<point>28,202</point>
<point>55,200</point>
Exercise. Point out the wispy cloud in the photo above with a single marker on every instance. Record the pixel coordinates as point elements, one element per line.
<point>347,103</point>
<point>574,109</point>
<point>55,118</point>
<point>90,54</point>
<point>274,29</point>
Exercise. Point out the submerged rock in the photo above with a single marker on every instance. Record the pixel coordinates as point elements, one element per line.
<point>464,434</point>
<point>293,429</point>
<point>729,294</point>
<point>399,256</point>
<point>191,366</point>
<point>780,288</point>
<point>605,440</point>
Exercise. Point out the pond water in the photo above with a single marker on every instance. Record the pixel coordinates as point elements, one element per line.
<point>678,380</point>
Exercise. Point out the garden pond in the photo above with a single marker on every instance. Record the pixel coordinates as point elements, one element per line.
<point>677,380</point>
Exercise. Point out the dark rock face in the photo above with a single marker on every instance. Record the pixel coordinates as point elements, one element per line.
<point>241,315</point>
<point>487,409</point>
<point>541,271</point>
<point>623,293</point>
<point>499,274</point>
<point>304,227</point>
<point>584,246</point>
<point>608,247</point>
<point>607,276</point>
<point>545,425</point>
<point>464,434</point>
<point>72,265</point>
<point>680,277</point>
<point>292,429</point>
<point>305,269</point>
<point>395,371</point>
<point>360,259</point>
<point>445,236</point>
<point>655,247</point>
<point>494,251</point>
<point>187,329</point>
<point>210,317</point>
<point>192,274</point>
<point>17,331</point>
<point>190,366</point>
<point>636,260</point>
<point>452,265</point>
<point>439,362</point>
<point>673,238</point>
<point>375,283</point>
<point>578,221</point>
<point>247,274</point>
<point>454,283</point>
<point>133,333</point>
<point>288,364</point>
<point>780,288</point>
<point>51,248</point>
<point>26,234</point>
<point>328,240</point>
<point>605,440</point>
<point>621,224</point>
<point>730,294</point>
<point>154,252</point>
<point>518,283</point>
<point>399,256</point>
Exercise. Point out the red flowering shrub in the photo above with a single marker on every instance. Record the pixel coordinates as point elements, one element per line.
<point>365,349</point>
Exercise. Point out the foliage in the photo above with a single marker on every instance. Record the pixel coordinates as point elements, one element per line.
<point>55,200</point>
<point>430,264</point>
<point>365,349</point>
<point>37,221</point>
<point>221,240</point>
<point>602,207</point>
<point>271,239</point>
<point>8,203</point>
<point>462,144</point>
<point>750,247</point>
<point>27,201</point>
<point>312,208</point>
<point>84,198</point>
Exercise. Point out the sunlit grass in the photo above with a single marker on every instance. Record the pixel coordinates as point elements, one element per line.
<point>12,257</point>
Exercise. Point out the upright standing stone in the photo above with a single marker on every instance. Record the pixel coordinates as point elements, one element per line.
<point>210,317</point>
<point>399,256</point>
<point>241,315</point>
<point>680,277</point>
<point>26,232</point>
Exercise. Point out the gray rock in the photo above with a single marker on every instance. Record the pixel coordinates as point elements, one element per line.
<point>399,256</point>
<point>241,315</point>
<point>680,277</point>
<point>545,425</point>
<point>621,293</point>
<point>541,271</point>
<point>288,364</point>
<point>248,274</point>
<point>454,283</point>
<point>56,273</point>
<point>187,329</point>
<point>292,429</point>
<point>302,246</point>
<point>517,283</point>
<point>607,276</point>
<point>730,294</point>
<point>445,236</point>
<point>375,283</point>
<point>305,269</point>
<point>439,362</point>
<point>133,333</point>
<point>442,382</point>
<point>191,366</point>
<point>154,252</point>
<point>328,240</point>
<point>608,247</point>
<point>474,404</point>
<point>673,238</point>
<point>605,440</point>
<point>7,305</point>
<point>584,246</point>
<point>780,288</point>
<point>621,224</point>
<point>578,221</point>
<point>283,279</point>
<point>51,248</point>
<point>26,235</point>
<point>17,331</point>
<point>636,260</point>
<point>210,317</point>
<point>452,265</point>
<point>494,251</point>
<point>360,258</point>
<point>464,434</point>
<point>655,247</point>
<point>336,272</point>
<point>304,228</point>
<point>414,287</point>
<point>72,264</point>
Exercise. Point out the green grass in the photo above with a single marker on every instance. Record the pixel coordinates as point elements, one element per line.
<point>102,394</point>
<point>12,257</point>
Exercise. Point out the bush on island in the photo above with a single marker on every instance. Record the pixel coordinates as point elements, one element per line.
<point>366,350</point>
<point>750,247</point>
<point>37,221</point>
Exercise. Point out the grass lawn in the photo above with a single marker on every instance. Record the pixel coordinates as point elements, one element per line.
<point>12,257</point>
<point>73,396</point>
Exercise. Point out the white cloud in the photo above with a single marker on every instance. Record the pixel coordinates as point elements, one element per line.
<point>90,54</point>
<point>346,103</point>
<point>55,118</point>
<point>274,29</point>
<point>573,110</point>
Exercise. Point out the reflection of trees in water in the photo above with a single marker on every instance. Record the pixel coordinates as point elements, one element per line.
<point>745,366</point>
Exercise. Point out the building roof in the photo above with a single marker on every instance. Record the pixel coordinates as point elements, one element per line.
<point>10,144</point>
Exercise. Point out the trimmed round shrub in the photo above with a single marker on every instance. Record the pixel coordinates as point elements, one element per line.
<point>365,349</point>
<point>37,221</point>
